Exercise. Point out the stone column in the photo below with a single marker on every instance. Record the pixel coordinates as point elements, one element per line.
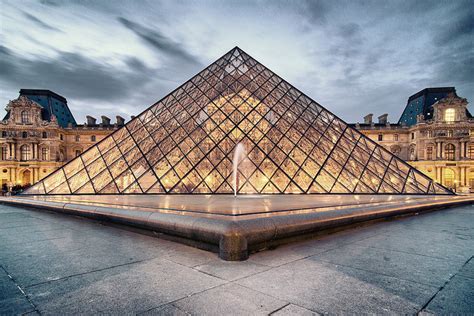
<point>462,151</point>
<point>466,183</point>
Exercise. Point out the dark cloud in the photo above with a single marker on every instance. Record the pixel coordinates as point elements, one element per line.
<point>315,11</point>
<point>52,3</point>
<point>458,29</point>
<point>349,30</point>
<point>40,23</point>
<point>159,41</point>
<point>72,74</point>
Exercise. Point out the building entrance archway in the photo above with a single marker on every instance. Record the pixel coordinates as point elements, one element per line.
<point>449,176</point>
<point>26,177</point>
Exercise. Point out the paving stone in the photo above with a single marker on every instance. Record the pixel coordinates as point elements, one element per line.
<point>303,249</point>
<point>11,209</point>
<point>329,288</point>
<point>402,265</point>
<point>190,257</point>
<point>468,269</point>
<point>229,299</point>
<point>168,309</point>
<point>440,245</point>
<point>16,305</point>
<point>231,270</point>
<point>453,221</point>
<point>121,290</point>
<point>292,309</point>
<point>457,297</point>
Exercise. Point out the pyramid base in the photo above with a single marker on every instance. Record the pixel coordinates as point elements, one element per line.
<point>237,233</point>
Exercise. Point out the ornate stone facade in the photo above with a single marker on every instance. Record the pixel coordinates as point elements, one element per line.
<point>442,147</point>
<point>31,147</point>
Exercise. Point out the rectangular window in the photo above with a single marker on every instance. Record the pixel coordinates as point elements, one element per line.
<point>449,115</point>
<point>470,152</point>
<point>412,135</point>
<point>380,137</point>
<point>429,153</point>
<point>4,152</point>
<point>44,154</point>
<point>395,137</point>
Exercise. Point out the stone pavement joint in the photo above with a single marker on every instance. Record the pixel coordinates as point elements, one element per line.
<point>20,289</point>
<point>443,286</point>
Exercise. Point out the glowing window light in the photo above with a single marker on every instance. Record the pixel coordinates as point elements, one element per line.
<point>449,115</point>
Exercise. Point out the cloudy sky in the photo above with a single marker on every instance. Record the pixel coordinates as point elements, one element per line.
<point>119,57</point>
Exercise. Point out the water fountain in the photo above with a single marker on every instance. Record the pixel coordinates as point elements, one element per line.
<point>239,155</point>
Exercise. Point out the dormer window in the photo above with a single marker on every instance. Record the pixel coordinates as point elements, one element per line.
<point>449,115</point>
<point>25,117</point>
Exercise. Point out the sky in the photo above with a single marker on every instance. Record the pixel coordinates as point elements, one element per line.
<point>119,57</point>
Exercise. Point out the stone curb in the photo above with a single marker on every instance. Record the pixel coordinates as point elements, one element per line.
<point>237,236</point>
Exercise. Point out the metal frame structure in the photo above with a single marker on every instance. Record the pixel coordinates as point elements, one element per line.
<point>184,143</point>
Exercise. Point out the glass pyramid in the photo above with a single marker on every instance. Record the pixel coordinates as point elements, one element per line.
<point>185,144</point>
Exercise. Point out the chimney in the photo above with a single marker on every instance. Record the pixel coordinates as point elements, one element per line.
<point>105,120</point>
<point>383,118</point>
<point>368,118</point>
<point>120,120</point>
<point>90,120</point>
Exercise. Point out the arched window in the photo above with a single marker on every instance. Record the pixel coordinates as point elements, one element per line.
<point>449,115</point>
<point>25,117</point>
<point>25,152</point>
<point>44,153</point>
<point>412,153</point>
<point>450,151</point>
<point>93,138</point>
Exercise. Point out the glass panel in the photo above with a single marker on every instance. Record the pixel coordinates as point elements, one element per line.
<point>78,180</point>
<point>73,167</point>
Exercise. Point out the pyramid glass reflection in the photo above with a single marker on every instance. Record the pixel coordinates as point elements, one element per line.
<point>185,143</point>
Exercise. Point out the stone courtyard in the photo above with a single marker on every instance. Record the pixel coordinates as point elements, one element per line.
<point>58,264</point>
